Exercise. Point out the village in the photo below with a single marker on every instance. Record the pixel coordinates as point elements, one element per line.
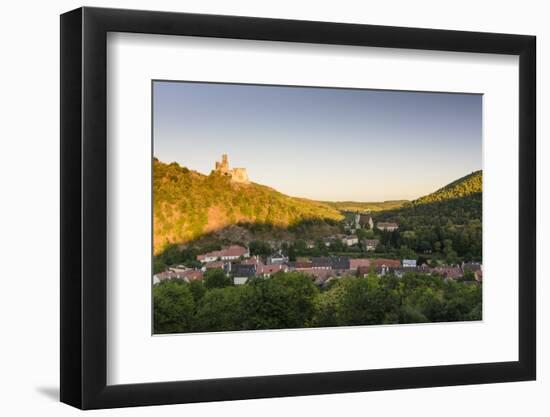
<point>237,262</point>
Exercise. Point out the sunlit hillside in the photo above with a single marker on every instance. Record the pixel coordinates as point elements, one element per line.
<point>462,187</point>
<point>188,205</point>
<point>365,206</point>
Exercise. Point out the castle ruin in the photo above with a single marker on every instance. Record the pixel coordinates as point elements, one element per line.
<point>236,174</point>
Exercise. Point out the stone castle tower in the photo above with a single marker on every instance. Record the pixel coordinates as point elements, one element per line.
<point>236,174</point>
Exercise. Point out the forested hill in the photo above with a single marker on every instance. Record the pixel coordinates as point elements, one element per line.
<point>463,187</point>
<point>188,204</point>
<point>445,221</point>
<point>458,201</point>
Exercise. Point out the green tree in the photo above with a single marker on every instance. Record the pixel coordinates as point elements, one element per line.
<point>406,253</point>
<point>222,309</point>
<point>173,307</point>
<point>284,301</point>
<point>216,278</point>
<point>291,253</point>
<point>469,276</point>
<point>337,246</point>
<point>428,302</point>
<point>158,265</point>
<point>198,289</point>
<point>380,248</point>
<point>259,247</point>
<point>366,301</point>
<point>450,254</point>
<point>328,306</point>
<point>362,233</point>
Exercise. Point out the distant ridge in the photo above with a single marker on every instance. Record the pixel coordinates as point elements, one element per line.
<point>365,206</point>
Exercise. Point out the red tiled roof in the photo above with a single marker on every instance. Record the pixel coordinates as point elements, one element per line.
<point>161,276</point>
<point>252,261</point>
<point>364,219</point>
<point>356,263</point>
<point>318,273</point>
<point>449,272</point>
<point>391,263</point>
<point>470,266</point>
<point>272,268</point>
<point>192,274</point>
<point>214,264</point>
<point>233,251</point>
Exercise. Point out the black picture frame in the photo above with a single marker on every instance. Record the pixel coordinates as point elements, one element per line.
<point>84,207</point>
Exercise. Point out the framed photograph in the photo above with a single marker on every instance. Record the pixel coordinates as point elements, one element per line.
<point>256,208</point>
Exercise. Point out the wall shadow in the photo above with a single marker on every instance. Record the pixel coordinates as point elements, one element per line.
<point>51,392</point>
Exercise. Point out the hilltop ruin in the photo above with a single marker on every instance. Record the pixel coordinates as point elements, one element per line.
<point>236,174</point>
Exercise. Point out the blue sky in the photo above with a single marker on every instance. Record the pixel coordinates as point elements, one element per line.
<point>321,143</point>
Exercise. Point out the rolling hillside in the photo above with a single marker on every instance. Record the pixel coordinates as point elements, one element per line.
<point>458,201</point>
<point>188,205</point>
<point>362,206</point>
<point>447,221</point>
<point>463,187</point>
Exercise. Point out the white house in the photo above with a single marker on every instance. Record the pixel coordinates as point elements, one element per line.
<point>240,280</point>
<point>277,258</point>
<point>226,254</point>
<point>387,226</point>
<point>356,219</point>
<point>350,240</point>
<point>409,263</point>
<point>208,257</point>
<point>161,276</point>
<point>234,252</point>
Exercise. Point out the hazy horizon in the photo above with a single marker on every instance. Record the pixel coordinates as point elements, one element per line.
<point>327,144</point>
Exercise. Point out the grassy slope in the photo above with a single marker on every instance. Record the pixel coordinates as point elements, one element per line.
<point>188,204</point>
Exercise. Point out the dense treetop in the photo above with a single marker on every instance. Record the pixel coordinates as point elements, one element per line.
<point>447,222</point>
<point>292,300</point>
